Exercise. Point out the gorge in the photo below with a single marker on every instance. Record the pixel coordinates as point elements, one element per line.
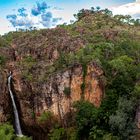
<point>74,82</point>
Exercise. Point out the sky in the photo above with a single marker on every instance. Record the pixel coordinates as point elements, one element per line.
<point>15,14</point>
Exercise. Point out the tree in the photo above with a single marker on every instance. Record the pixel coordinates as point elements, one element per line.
<point>122,122</point>
<point>107,12</point>
<point>85,121</point>
<point>121,64</point>
<point>80,14</point>
<point>57,134</point>
<point>98,8</point>
<point>7,133</point>
<point>137,22</point>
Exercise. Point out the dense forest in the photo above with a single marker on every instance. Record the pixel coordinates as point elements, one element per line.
<point>113,43</point>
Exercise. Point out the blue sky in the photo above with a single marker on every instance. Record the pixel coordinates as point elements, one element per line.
<point>48,13</point>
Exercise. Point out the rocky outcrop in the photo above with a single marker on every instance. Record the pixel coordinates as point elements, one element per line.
<point>5,110</point>
<point>56,95</point>
<point>58,91</point>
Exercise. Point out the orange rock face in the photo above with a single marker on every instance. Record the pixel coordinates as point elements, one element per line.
<point>51,96</point>
<point>93,89</point>
<point>41,85</point>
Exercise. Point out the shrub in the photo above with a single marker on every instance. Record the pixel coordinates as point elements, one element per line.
<point>57,134</point>
<point>7,133</point>
<point>67,91</point>
<point>28,61</point>
<point>2,60</point>
<point>3,42</point>
<point>122,123</point>
<point>28,76</point>
<point>83,87</point>
<point>86,117</point>
<point>23,138</point>
<point>45,116</point>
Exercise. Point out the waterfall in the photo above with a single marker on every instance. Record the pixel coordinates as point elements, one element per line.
<point>17,122</point>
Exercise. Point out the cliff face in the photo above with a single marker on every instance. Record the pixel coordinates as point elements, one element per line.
<point>37,89</point>
<point>4,104</point>
<point>54,68</point>
<point>58,94</point>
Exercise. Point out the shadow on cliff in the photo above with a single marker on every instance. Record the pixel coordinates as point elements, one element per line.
<point>34,130</point>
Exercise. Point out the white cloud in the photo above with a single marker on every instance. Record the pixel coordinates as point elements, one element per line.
<point>132,9</point>
<point>5,26</point>
<point>65,15</point>
<point>39,16</point>
<point>26,17</point>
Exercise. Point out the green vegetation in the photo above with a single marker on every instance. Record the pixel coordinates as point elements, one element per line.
<point>118,56</point>
<point>7,133</point>
<point>57,134</point>
<point>67,91</point>
<point>122,123</point>
<point>84,66</point>
<point>2,60</point>
<point>110,42</point>
<point>45,116</point>
<point>27,64</point>
<point>28,61</point>
<point>3,42</point>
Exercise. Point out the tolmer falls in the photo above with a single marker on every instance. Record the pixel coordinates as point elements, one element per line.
<point>16,116</point>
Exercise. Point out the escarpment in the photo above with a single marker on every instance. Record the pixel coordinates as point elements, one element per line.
<point>44,82</point>
<point>74,81</point>
<point>60,90</point>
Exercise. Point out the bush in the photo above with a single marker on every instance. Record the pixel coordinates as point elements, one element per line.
<point>122,123</point>
<point>3,42</point>
<point>2,60</point>
<point>23,138</point>
<point>67,91</point>
<point>7,133</point>
<point>86,117</point>
<point>57,134</point>
<point>45,116</point>
<point>28,62</point>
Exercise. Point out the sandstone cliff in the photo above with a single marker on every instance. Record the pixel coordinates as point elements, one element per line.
<point>37,89</point>
<point>87,61</point>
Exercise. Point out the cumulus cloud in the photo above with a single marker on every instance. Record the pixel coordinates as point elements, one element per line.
<point>48,20</point>
<point>22,11</point>
<point>39,8</point>
<point>46,16</point>
<point>132,9</point>
<point>40,16</point>
<point>21,19</point>
<point>11,17</point>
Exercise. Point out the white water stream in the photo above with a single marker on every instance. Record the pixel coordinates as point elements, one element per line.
<point>16,116</point>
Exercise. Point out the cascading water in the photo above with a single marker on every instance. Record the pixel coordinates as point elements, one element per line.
<point>17,122</point>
